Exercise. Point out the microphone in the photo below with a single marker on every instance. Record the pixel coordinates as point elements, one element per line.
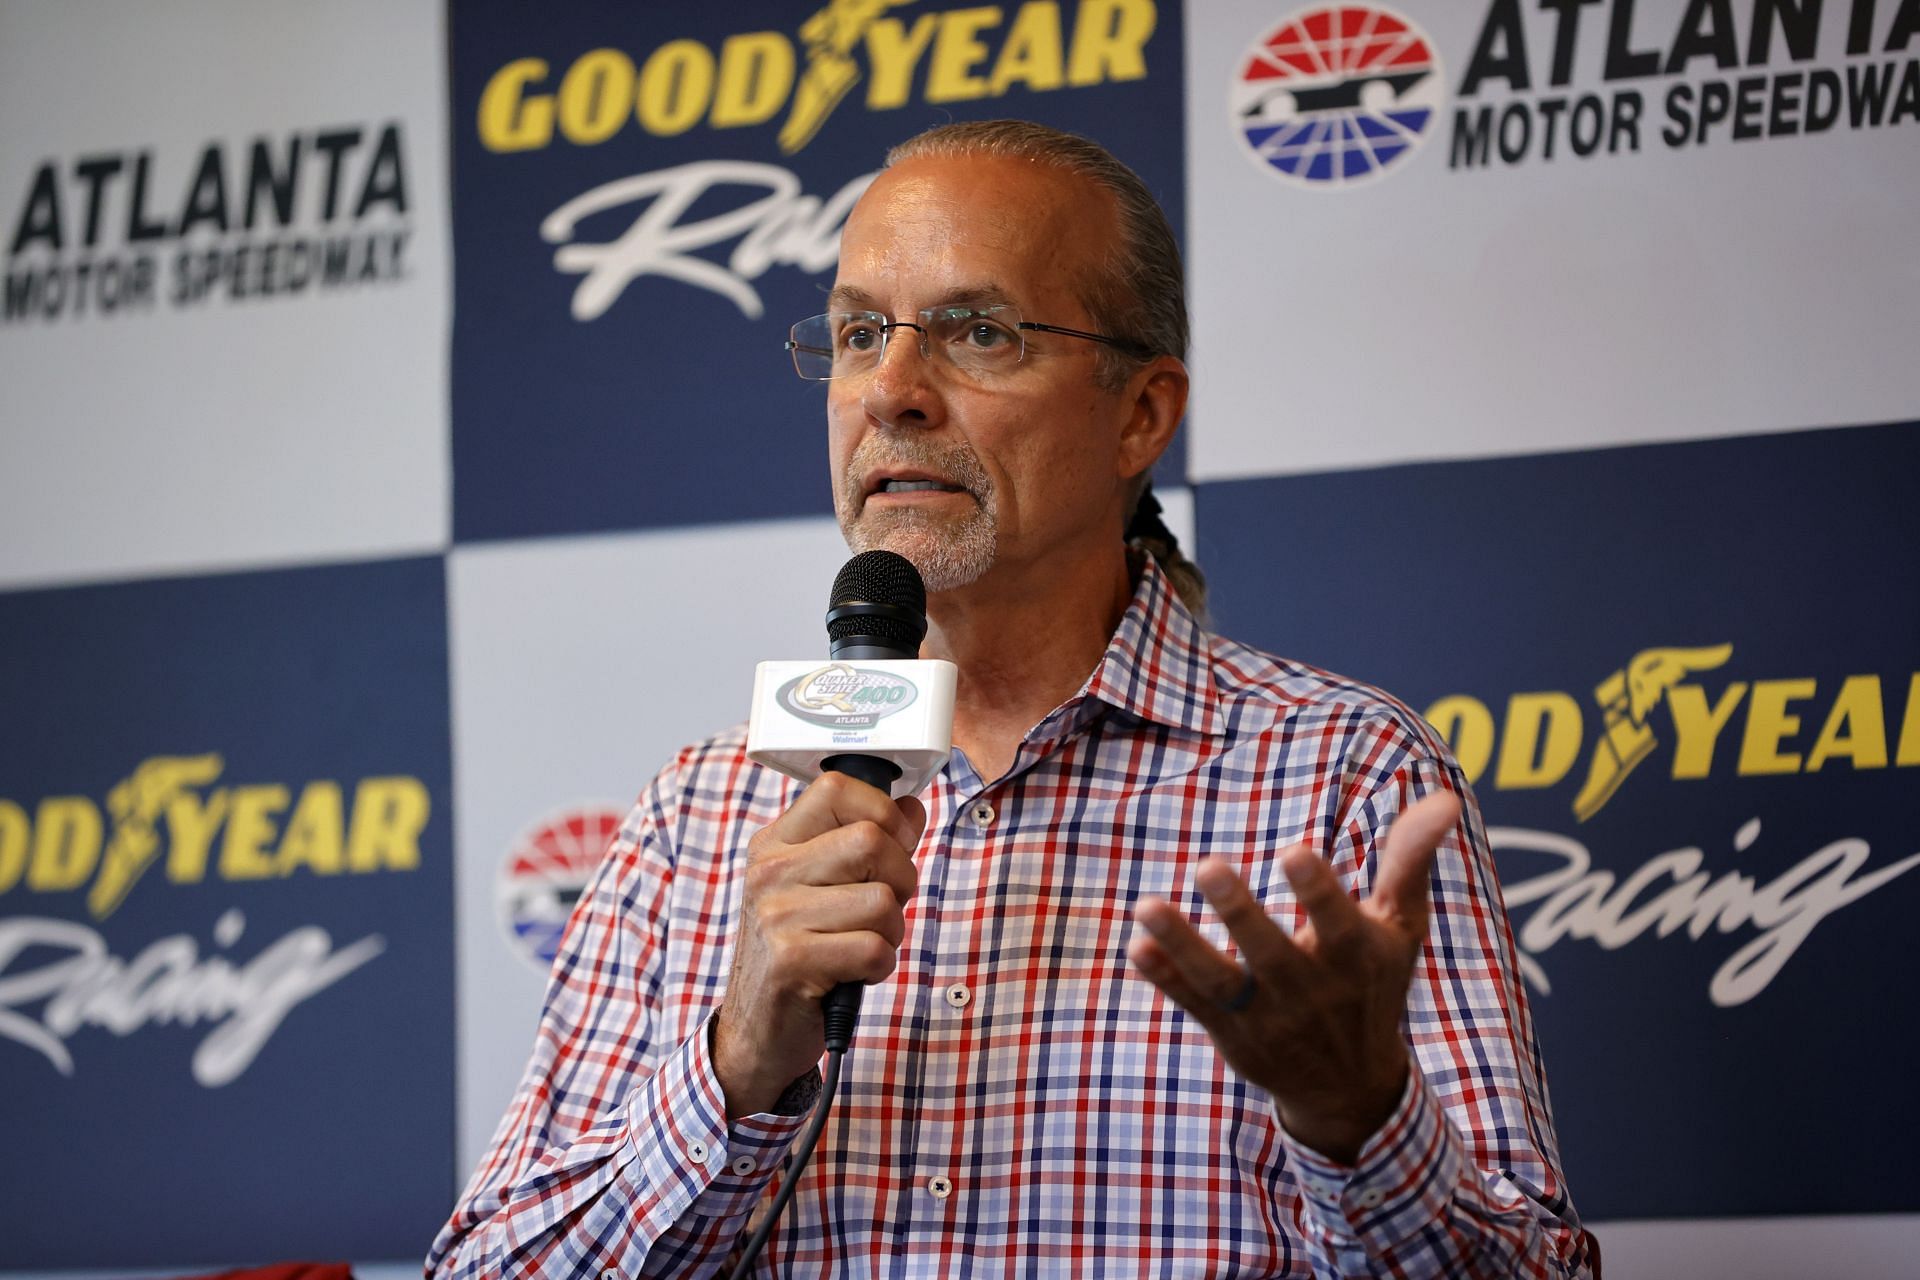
<point>878,612</point>
<point>874,711</point>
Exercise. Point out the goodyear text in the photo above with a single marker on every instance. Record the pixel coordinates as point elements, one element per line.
<point>171,814</point>
<point>1756,727</point>
<point>953,56</point>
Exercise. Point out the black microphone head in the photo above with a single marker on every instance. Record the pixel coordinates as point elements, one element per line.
<point>879,604</point>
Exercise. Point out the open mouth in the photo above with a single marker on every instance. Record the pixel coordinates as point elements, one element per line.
<point>917,486</point>
<point>906,480</point>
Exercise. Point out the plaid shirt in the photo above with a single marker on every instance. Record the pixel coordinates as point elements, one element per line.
<point>1018,1100</point>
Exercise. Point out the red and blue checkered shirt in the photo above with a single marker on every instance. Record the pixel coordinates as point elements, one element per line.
<point>1018,1099</point>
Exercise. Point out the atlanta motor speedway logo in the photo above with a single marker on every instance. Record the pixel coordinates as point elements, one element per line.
<point>1338,95</point>
<point>544,874</point>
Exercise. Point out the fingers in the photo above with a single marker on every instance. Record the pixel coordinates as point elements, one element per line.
<point>1313,1017</point>
<point>1203,979</point>
<point>824,898</point>
<point>1158,967</point>
<point>844,886</point>
<point>836,909</point>
<point>1335,917</point>
<point>1263,942</point>
<point>914,814</point>
<point>834,800</point>
<point>1173,955</point>
<point>840,831</point>
<point>1400,884</point>
<point>857,854</point>
<point>858,955</point>
<point>1406,861</point>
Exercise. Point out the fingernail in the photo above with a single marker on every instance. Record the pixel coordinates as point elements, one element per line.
<point>1214,880</point>
<point>1299,861</point>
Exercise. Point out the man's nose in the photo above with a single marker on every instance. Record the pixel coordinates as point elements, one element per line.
<point>903,388</point>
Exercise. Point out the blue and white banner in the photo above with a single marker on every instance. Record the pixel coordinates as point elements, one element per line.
<point>226,917</point>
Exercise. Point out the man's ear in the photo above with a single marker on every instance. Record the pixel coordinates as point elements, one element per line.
<point>1157,400</point>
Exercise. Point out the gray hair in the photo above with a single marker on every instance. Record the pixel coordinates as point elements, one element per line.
<point>1137,294</point>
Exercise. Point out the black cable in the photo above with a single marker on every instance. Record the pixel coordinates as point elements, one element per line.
<point>829,1086</point>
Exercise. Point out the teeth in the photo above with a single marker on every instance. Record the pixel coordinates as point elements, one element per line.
<point>912,486</point>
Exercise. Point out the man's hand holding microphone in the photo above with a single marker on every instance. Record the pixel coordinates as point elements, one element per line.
<point>825,898</point>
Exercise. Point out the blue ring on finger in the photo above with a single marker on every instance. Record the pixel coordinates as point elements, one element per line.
<point>1241,998</point>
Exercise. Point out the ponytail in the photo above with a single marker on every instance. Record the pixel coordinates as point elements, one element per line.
<point>1146,530</point>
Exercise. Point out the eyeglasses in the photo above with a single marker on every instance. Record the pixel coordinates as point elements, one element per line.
<point>978,341</point>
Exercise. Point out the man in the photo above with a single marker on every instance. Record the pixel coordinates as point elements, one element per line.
<point>1154,992</point>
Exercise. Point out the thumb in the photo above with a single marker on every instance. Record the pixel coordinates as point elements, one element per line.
<point>915,814</point>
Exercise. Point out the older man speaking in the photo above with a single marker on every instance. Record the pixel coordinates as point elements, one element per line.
<point>1191,962</point>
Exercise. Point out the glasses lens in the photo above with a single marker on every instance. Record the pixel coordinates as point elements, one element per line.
<point>836,344</point>
<point>858,338</point>
<point>811,342</point>
<point>976,339</point>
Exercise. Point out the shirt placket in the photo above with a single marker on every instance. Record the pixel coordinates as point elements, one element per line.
<point>924,1184</point>
<point>972,861</point>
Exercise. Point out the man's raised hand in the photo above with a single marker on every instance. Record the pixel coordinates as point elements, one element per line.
<point>1313,1019</point>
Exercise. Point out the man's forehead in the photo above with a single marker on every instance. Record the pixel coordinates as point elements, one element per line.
<point>991,196</point>
<point>985,293</point>
<point>966,230</point>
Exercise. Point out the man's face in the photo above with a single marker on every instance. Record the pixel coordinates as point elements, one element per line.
<point>962,473</point>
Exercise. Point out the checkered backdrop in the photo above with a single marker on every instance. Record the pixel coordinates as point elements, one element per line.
<point>384,387</point>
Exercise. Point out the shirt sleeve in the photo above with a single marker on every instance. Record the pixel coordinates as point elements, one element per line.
<point>616,1153</point>
<point>1464,1177</point>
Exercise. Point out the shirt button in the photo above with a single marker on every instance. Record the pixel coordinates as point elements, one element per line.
<point>958,996</point>
<point>940,1185</point>
<point>1369,1198</point>
<point>982,814</point>
<point>742,1165</point>
<point>697,1152</point>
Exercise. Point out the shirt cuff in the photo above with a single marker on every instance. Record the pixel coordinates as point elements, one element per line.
<point>1403,1179</point>
<point>684,1146</point>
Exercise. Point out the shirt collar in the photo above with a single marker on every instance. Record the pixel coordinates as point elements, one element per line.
<point>1157,666</point>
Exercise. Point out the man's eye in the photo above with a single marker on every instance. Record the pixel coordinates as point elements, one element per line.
<point>985,336</point>
<point>859,337</point>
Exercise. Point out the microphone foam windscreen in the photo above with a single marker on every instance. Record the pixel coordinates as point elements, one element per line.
<point>883,578</point>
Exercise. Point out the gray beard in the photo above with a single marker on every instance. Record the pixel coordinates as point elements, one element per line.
<point>949,552</point>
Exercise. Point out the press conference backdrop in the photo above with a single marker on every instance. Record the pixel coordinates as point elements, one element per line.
<point>382,385</point>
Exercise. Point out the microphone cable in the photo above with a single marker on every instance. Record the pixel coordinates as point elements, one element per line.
<point>829,1087</point>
